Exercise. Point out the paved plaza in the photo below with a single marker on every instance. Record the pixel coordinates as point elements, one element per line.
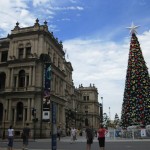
<point>80,144</point>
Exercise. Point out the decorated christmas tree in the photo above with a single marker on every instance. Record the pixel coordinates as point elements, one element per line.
<point>136,101</point>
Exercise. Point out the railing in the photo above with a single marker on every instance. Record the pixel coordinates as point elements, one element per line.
<point>128,134</point>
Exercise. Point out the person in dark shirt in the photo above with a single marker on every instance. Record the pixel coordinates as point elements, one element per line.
<point>25,136</point>
<point>89,137</point>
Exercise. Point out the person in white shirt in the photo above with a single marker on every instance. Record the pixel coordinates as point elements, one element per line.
<point>10,137</point>
<point>73,135</point>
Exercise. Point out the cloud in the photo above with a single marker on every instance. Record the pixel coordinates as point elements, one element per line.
<point>11,12</point>
<point>68,8</point>
<point>104,63</point>
<point>25,12</point>
<point>40,2</point>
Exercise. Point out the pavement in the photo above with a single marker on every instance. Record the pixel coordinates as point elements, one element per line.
<point>68,140</point>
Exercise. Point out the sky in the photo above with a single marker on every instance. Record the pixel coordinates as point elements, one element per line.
<point>94,36</point>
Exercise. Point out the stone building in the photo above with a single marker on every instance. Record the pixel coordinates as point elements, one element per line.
<point>24,54</point>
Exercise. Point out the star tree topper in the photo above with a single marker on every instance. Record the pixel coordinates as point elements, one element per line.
<point>133,28</point>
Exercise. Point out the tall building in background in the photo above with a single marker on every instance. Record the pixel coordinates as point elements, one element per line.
<point>34,72</point>
<point>136,101</point>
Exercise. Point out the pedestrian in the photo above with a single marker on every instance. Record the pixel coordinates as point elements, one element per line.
<point>10,138</point>
<point>89,137</point>
<point>59,132</point>
<point>73,135</point>
<point>25,136</point>
<point>101,137</point>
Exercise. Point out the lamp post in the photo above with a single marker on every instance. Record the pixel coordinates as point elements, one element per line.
<point>92,120</point>
<point>34,120</point>
<point>102,109</point>
<point>86,119</point>
<point>101,114</point>
<point>75,117</point>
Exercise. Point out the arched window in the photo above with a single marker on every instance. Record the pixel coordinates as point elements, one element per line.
<point>1,113</point>
<point>2,80</point>
<point>19,111</point>
<point>22,78</point>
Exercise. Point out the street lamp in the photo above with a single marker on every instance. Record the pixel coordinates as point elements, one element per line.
<point>86,119</point>
<point>101,114</point>
<point>75,117</point>
<point>102,109</point>
<point>34,120</point>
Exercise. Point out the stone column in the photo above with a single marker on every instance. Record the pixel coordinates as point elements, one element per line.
<point>15,115</point>
<point>33,75</point>
<point>23,121</point>
<point>58,119</point>
<point>12,72</point>
<point>30,76</point>
<point>28,110</point>
<point>17,80</point>
<point>9,110</point>
<point>32,105</point>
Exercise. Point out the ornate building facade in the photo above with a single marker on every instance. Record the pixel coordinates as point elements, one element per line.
<point>23,55</point>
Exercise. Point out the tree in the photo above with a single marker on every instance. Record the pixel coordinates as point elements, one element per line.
<point>136,101</point>
<point>106,120</point>
<point>116,120</point>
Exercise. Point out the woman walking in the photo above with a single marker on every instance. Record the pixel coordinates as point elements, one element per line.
<point>101,137</point>
<point>10,138</point>
<point>89,137</point>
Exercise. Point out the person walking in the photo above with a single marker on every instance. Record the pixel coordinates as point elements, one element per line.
<point>25,136</point>
<point>89,137</point>
<point>73,135</point>
<point>101,137</point>
<point>10,138</point>
<point>59,131</point>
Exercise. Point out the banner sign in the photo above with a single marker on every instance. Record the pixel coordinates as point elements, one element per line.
<point>46,94</point>
<point>143,132</point>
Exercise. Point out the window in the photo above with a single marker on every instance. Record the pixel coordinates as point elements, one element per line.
<point>4,56</point>
<point>22,78</point>
<point>86,107</point>
<point>20,53</point>
<point>20,111</point>
<point>87,98</point>
<point>28,52</point>
<point>25,114</point>
<point>15,81</point>
<point>1,112</point>
<point>27,80</point>
<point>2,81</point>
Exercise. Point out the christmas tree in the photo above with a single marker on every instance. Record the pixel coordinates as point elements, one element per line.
<point>136,101</point>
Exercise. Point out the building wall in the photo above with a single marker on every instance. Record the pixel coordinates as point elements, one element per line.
<point>21,80</point>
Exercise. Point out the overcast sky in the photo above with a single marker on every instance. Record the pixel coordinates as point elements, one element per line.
<point>94,36</point>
